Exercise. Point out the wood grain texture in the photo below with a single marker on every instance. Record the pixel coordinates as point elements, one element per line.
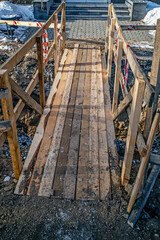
<point>49,170</point>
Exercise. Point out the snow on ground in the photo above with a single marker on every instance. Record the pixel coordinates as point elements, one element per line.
<point>7,8</point>
<point>153,13</point>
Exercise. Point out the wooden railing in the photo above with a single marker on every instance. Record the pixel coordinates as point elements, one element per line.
<point>143,91</point>
<point>9,86</point>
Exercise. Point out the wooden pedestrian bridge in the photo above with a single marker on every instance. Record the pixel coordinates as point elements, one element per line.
<point>73,153</point>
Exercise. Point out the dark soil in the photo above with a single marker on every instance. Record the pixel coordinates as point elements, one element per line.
<point>24,217</point>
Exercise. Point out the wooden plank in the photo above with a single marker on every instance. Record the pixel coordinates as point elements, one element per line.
<point>58,184</point>
<point>139,88</point>
<point>104,172</point>
<point>40,70</point>
<point>113,156</point>
<point>7,108</point>
<point>3,137</point>
<point>26,23</point>
<point>110,54</point>
<point>56,45</point>
<point>33,188</point>
<point>3,93</point>
<point>73,153</point>
<point>155,81</point>
<point>64,26</point>
<point>19,92</point>
<point>21,186</point>
<point>16,58</point>
<point>49,170</point>
<point>5,126</point>
<point>144,161</point>
<point>123,104</point>
<point>142,148</point>
<point>117,75</point>
<point>82,175</point>
<point>93,163</point>
<point>108,29</point>
<point>141,202</point>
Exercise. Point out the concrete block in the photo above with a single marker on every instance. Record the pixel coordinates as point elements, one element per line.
<point>137,9</point>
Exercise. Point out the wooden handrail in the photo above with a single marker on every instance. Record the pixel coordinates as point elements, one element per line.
<point>8,85</point>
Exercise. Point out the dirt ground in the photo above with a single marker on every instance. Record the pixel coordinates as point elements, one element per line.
<point>24,217</point>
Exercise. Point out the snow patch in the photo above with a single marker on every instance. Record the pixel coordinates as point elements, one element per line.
<point>7,8</point>
<point>7,179</point>
<point>10,9</point>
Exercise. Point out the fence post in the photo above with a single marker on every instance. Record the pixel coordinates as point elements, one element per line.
<point>56,45</point>
<point>40,69</point>
<point>64,25</point>
<point>138,95</point>
<point>8,113</point>
<point>108,28</point>
<point>144,160</point>
<point>117,74</point>
<point>154,80</point>
<point>110,54</point>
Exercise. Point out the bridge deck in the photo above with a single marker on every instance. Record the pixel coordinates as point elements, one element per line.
<point>77,156</point>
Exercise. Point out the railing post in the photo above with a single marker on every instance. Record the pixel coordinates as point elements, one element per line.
<point>40,69</point>
<point>56,45</point>
<point>8,113</point>
<point>138,95</point>
<point>117,74</point>
<point>108,28</point>
<point>110,54</point>
<point>154,80</point>
<point>64,25</point>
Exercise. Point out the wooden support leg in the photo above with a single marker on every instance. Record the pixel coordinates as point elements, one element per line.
<point>144,161</point>
<point>40,70</point>
<point>110,54</point>
<point>64,26</point>
<point>117,75</point>
<point>132,129</point>
<point>56,45</point>
<point>108,28</point>
<point>7,108</point>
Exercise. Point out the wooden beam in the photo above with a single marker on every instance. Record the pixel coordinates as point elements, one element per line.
<point>16,58</point>
<point>5,126</point>
<point>40,57</point>
<point>142,148</point>
<point>110,54</point>
<point>136,212</point>
<point>19,92</point>
<point>123,104</point>
<point>155,81</point>
<point>8,113</point>
<point>132,129</point>
<point>117,75</point>
<point>135,67</point>
<point>64,26</point>
<point>27,24</point>
<point>144,161</point>
<point>104,172</point>
<point>56,46</point>
<point>108,29</point>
